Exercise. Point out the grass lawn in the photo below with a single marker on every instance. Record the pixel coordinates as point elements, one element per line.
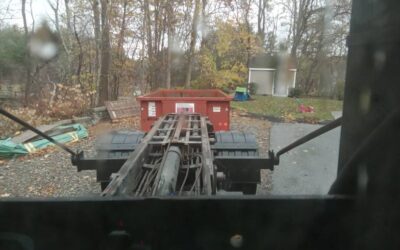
<point>287,109</point>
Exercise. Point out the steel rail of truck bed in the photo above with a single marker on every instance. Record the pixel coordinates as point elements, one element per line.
<point>142,172</point>
<point>182,156</point>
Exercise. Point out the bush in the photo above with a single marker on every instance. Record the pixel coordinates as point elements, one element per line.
<point>29,115</point>
<point>338,90</point>
<point>295,92</point>
<point>252,88</point>
<point>65,101</point>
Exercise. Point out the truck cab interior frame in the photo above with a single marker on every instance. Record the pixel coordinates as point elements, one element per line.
<point>361,210</point>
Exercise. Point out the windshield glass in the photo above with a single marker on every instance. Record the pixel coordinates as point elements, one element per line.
<point>74,69</point>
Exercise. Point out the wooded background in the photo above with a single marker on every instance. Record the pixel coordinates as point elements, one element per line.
<point>117,48</point>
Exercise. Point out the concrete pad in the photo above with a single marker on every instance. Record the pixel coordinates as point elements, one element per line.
<point>308,169</point>
<point>336,114</point>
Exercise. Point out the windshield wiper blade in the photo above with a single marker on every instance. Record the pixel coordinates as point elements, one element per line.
<point>322,130</point>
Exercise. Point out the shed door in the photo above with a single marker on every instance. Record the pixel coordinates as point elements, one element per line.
<point>264,80</point>
<point>285,81</point>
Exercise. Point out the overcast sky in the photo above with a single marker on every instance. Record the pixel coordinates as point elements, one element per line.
<point>41,11</point>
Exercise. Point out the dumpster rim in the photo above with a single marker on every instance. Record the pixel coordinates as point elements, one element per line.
<point>153,95</point>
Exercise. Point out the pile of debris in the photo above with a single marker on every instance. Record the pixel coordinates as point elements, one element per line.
<point>29,142</point>
<point>67,130</point>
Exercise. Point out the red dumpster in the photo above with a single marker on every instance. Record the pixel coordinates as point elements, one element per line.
<point>208,102</point>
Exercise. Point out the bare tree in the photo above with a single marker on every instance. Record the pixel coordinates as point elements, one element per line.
<point>261,19</point>
<point>300,14</point>
<point>68,14</point>
<point>97,37</point>
<point>171,33</point>
<point>149,38</point>
<point>28,54</point>
<point>143,37</point>
<point>112,45</point>
<point>271,36</point>
<point>195,22</point>
<point>105,53</point>
<point>312,36</point>
<point>120,53</point>
<point>246,5</point>
<point>32,16</point>
<point>56,8</point>
<point>80,55</point>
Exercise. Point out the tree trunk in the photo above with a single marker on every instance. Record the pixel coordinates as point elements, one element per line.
<point>248,31</point>
<point>170,28</point>
<point>204,24</point>
<point>105,53</point>
<point>32,17</point>
<point>68,39</point>
<point>157,64</point>
<point>80,56</point>
<point>56,10</point>
<point>192,42</point>
<point>27,56</point>
<point>97,36</point>
<point>68,14</point>
<point>170,44</point>
<point>143,85</point>
<point>262,5</point>
<point>120,55</point>
<point>149,42</point>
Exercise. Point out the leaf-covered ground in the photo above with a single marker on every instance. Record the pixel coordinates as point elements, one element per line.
<point>49,172</point>
<point>9,128</point>
<point>287,109</point>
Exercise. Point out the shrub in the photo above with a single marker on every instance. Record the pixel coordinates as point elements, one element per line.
<point>65,101</point>
<point>338,90</point>
<point>295,92</point>
<point>252,88</point>
<point>29,115</point>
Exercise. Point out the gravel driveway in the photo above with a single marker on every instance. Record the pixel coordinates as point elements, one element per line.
<point>50,173</point>
<point>261,128</point>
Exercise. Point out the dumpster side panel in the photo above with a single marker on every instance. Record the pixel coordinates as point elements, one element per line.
<point>184,105</point>
<point>219,115</point>
<point>150,111</point>
<point>212,103</point>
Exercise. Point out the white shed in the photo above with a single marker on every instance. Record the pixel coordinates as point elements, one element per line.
<point>272,75</point>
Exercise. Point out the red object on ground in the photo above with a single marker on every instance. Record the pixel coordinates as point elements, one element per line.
<point>306,109</point>
<point>208,102</point>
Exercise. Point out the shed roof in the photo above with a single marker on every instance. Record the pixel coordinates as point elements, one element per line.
<point>269,60</point>
<point>264,60</point>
